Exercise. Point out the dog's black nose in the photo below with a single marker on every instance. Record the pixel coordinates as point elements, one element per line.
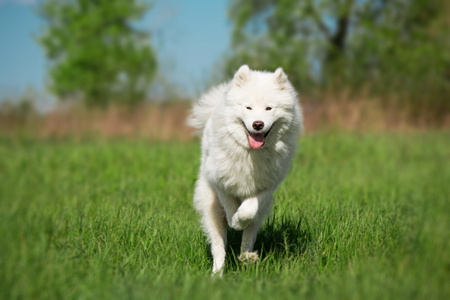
<point>258,125</point>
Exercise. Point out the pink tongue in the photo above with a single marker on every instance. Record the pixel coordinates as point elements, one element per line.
<point>256,140</point>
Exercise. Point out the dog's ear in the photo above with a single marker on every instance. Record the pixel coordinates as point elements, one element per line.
<point>241,76</point>
<point>281,78</point>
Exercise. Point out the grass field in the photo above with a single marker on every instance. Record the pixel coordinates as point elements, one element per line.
<point>358,217</point>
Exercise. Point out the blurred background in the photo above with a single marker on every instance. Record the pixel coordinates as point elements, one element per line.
<point>132,68</point>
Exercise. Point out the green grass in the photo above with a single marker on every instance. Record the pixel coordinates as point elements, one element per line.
<point>358,217</point>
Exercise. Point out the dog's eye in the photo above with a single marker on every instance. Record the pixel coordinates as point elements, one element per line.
<point>268,108</point>
<point>249,108</point>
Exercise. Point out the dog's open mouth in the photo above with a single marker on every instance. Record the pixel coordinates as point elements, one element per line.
<point>257,140</point>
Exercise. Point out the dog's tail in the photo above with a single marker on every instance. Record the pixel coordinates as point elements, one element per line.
<point>204,108</point>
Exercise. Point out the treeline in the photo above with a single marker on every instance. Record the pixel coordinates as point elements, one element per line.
<point>96,52</point>
<point>396,49</point>
<point>392,49</point>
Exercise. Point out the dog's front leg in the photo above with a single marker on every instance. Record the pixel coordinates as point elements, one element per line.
<point>264,203</point>
<point>250,210</point>
<point>245,214</point>
<point>213,219</point>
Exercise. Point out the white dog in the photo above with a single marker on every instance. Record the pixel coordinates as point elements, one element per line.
<point>249,137</point>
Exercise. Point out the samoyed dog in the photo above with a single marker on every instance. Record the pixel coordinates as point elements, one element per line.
<point>249,128</point>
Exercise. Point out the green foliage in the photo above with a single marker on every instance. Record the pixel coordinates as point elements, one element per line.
<point>95,51</point>
<point>392,46</point>
<point>358,217</point>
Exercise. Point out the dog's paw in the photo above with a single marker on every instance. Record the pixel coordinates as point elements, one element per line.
<point>238,223</point>
<point>217,273</point>
<point>245,214</point>
<point>249,257</point>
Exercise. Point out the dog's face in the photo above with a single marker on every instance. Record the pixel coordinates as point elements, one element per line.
<point>260,107</point>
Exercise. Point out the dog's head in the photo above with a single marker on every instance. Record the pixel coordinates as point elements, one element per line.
<point>260,107</point>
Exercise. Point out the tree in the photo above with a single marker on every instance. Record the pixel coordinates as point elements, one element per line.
<point>95,50</point>
<point>391,45</point>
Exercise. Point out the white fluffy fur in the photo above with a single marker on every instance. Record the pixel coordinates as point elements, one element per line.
<point>236,182</point>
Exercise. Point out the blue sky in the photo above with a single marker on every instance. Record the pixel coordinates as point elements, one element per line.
<point>190,36</point>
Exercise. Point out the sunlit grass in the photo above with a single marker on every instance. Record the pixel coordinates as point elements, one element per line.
<point>359,216</point>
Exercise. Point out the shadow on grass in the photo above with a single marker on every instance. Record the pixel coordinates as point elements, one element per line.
<point>279,237</point>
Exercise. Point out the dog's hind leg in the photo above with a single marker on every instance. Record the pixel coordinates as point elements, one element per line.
<point>248,241</point>
<point>214,221</point>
